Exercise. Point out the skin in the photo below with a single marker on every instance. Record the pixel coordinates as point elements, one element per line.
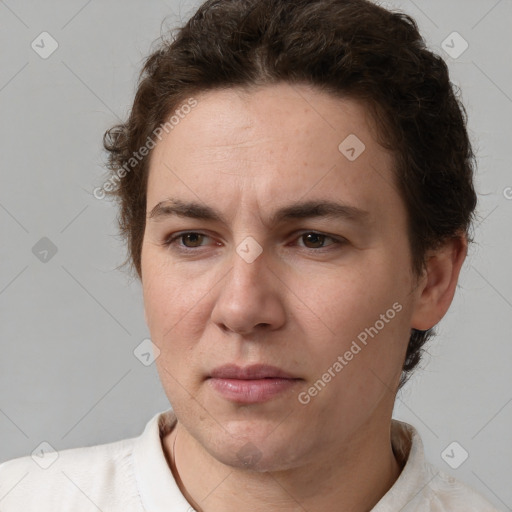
<point>299,305</point>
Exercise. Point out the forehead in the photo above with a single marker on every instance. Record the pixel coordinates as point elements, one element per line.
<point>245,145</point>
<point>300,116</point>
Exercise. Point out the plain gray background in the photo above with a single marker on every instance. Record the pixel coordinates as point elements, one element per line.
<point>70,325</point>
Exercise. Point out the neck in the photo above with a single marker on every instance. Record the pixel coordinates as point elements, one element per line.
<point>351,477</point>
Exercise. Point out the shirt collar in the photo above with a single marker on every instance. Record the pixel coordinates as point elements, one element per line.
<point>159,491</point>
<point>408,449</point>
<point>157,488</point>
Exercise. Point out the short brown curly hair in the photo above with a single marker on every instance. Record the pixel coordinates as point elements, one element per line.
<point>348,48</point>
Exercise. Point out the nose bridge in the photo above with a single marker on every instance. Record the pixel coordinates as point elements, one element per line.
<point>247,298</point>
<point>249,258</point>
<point>249,264</point>
<point>252,257</point>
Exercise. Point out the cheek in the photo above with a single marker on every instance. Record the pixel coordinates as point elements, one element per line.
<point>167,298</point>
<point>169,292</point>
<point>350,298</point>
<point>365,310</point>
<point>178,307</point>
<point>175,308</point>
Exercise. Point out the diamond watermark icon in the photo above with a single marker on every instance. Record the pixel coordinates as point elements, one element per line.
<point>44,250</point>
<point>249,249</point>
<point>454,455</point>
<point>352,147</point>
<point>249,454</point>
<point>454,45</point>
<point>146,352</point>
<point>44,455</point>
<point>44,45</point>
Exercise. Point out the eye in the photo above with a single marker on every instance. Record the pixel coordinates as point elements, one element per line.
<point>317,240</point>
<point>190,239</point>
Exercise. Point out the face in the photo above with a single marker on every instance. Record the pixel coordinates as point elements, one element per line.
<point>261,272</point>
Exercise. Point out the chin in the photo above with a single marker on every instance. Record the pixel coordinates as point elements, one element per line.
<point>256,453</point>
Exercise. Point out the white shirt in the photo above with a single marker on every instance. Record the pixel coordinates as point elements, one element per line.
<point>132,475</point>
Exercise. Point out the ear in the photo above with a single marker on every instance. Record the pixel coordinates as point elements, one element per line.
<point>436,287</point>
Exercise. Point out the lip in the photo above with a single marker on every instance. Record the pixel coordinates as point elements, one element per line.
<point>255,371</point>
<point>251,384</point>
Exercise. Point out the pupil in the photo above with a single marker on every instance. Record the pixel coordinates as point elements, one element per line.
<point>193,235</point>
<point>318,237</point>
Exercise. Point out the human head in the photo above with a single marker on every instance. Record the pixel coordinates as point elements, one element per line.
<point>350,49</point>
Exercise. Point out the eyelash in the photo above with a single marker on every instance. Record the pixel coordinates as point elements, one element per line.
<point>170,241</point>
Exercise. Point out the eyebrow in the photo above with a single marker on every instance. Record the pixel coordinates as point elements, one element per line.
<point>298,210</point>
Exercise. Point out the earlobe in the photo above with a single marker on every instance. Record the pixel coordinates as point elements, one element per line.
<point>439,282</point>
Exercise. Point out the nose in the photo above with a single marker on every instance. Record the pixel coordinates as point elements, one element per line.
<point>251,298</point>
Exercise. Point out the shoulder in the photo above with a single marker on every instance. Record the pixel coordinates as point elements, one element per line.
<point>84,478</point>
<point>422,486</point>
<point>447,493</point>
